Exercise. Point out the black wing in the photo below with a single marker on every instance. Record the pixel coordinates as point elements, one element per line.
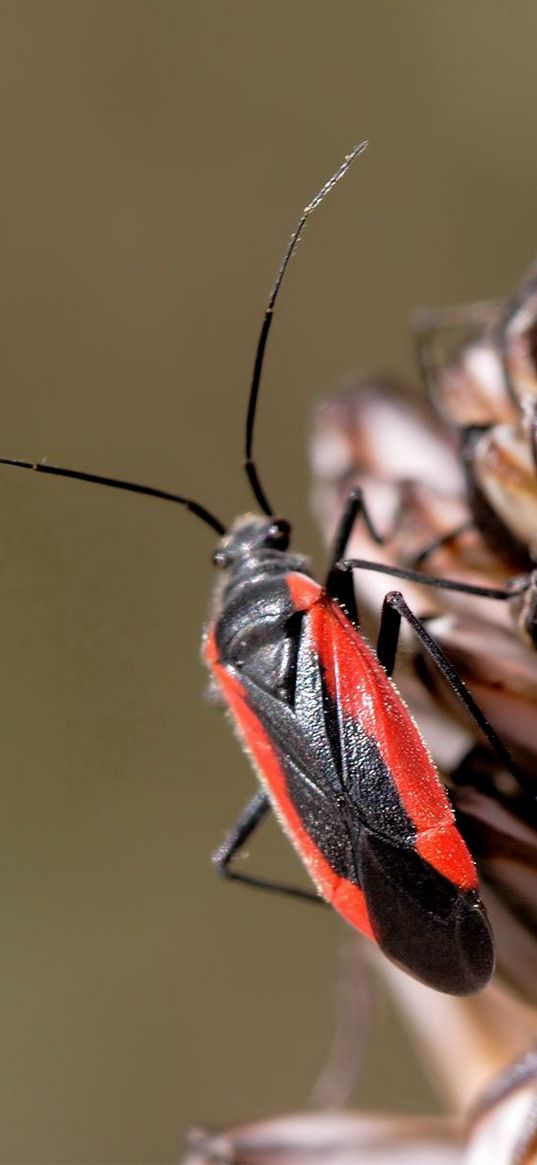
<point>339,785</point>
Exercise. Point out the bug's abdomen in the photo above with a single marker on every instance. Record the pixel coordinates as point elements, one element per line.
<point>343,893</point>
<point>354,786</point>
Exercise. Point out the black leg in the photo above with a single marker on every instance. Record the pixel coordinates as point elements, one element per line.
<point>388,637</point>
<point>343,591</point>
<point>338,585</point>
<point>339,588</point>
<point>395,604</point>
<point>247,822</point>
<point>355,508</point>
<point>429,580</point>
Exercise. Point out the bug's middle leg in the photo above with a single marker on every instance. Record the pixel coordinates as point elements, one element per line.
<point>341,588</point>
<point>394,609</point>
<point>246,823</point>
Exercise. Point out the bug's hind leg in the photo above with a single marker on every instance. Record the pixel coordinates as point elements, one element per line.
<point>394,609</point>
<point>247,821</point>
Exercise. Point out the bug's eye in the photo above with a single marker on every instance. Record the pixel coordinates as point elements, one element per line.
<point>278,534</point>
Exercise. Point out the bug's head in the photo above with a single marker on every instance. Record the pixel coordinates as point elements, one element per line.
<point>249,537</point>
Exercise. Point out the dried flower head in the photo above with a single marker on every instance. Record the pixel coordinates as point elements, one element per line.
<point>453,488</point>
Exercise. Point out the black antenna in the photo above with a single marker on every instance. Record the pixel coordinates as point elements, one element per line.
<point>194,507</point>
<point>249,465</point>
<point>116,483</point>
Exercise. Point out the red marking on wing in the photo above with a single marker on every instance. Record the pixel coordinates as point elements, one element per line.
<point>304,591</point>
<point>343,895</point>
<point>444,849</point>
<point>356,679</point>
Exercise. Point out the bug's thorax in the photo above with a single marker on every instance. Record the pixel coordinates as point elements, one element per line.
<point>252,606</point>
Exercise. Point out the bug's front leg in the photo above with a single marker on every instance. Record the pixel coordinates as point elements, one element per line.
<point>340,585</point>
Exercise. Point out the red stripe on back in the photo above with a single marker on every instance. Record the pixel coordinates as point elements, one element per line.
<point>356,679</point>
<point>346,898</point>
<point>304,591</point>
<point>444,849</point>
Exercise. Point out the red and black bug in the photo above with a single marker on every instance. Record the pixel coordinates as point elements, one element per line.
<point>340,759</point>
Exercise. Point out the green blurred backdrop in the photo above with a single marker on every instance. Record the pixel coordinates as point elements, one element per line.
<point>154,157</point>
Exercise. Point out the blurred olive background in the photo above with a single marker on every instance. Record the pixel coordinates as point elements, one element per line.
<point>154,158</point>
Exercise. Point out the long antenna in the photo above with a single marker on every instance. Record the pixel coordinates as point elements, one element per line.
<point>249,464</point>
<point>117,483</point>
<point>251,471</point>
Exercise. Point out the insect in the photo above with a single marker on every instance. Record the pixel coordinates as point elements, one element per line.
<point>339,757</point>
